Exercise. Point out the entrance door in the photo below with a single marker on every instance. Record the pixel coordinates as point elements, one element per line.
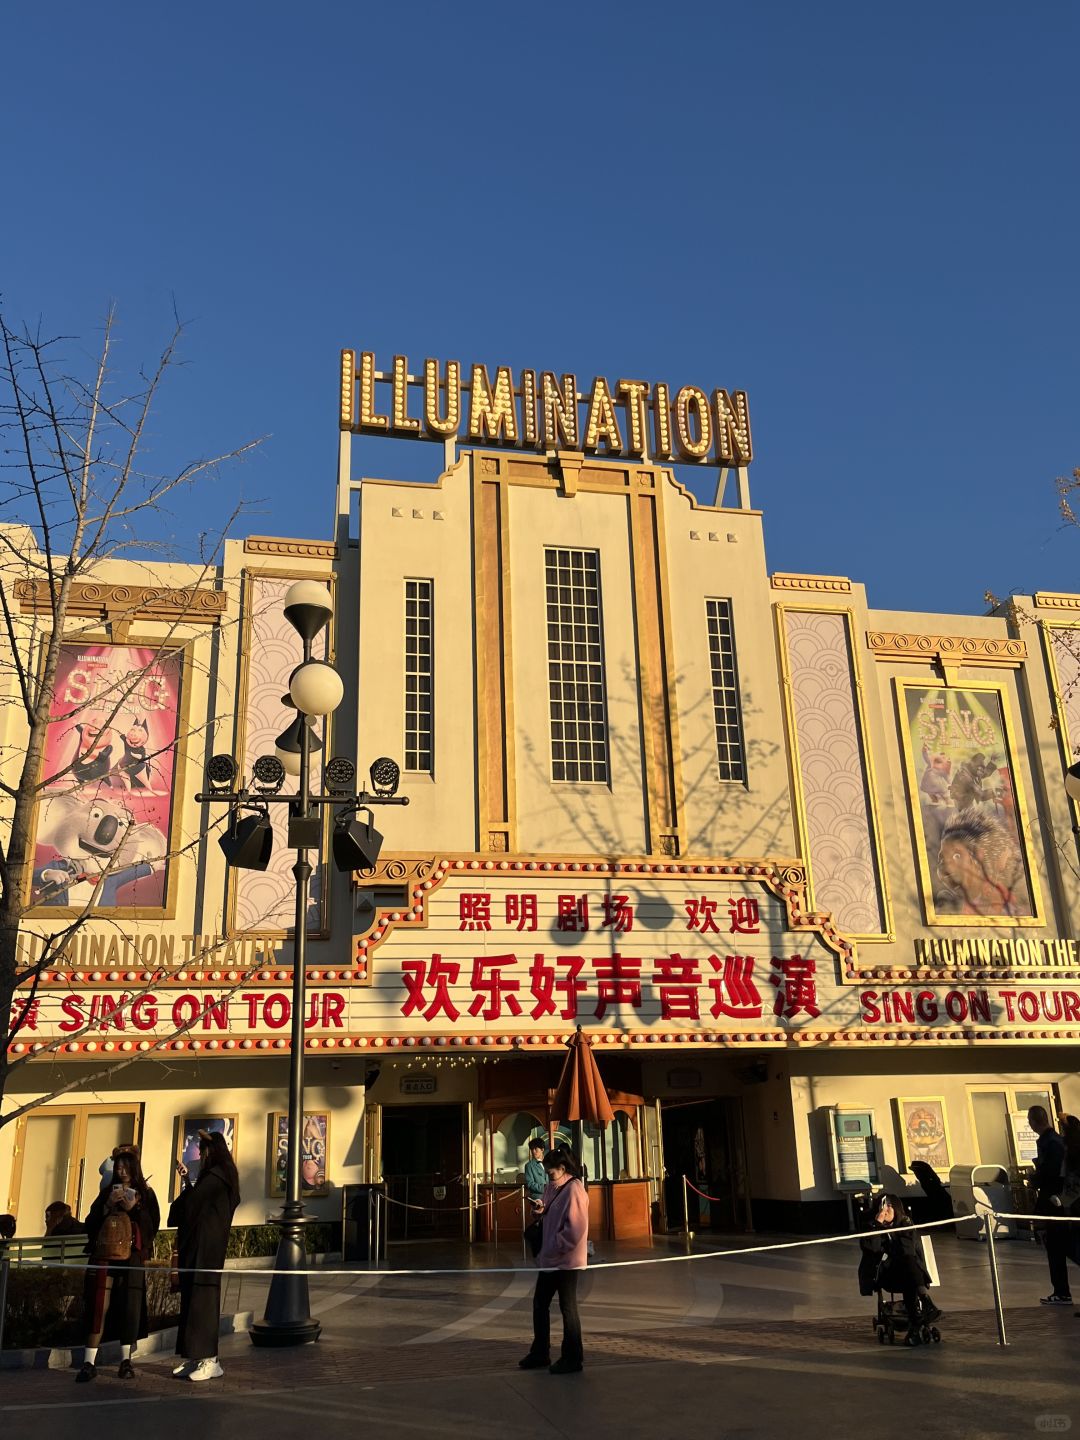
<point>426,1186</point>
<point>703,1140</point>
<point>58,1150</point>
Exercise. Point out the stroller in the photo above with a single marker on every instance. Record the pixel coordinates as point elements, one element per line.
<point>892,1317</point>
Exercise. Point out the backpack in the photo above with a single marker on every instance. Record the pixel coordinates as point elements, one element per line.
<point>115,1238</point>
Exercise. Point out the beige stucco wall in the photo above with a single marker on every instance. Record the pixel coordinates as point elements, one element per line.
<point>250,1089</point>
<point>874,1080</point>
<point>574,819</point>
<point>442,807</point>
<point>720,555</point>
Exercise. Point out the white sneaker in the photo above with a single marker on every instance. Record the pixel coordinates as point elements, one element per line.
<point>206,1370</point>
<point>185,1367</point>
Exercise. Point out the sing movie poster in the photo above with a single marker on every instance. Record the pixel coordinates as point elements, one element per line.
<point>109,771</point>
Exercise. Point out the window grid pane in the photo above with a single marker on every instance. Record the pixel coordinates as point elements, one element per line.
<point>725,688</point>
<point>419,676</point>
<point>579,745</point>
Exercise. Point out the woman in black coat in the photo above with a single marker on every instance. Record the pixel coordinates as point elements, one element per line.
<point>892,1256</point>
<point>202,1214</point>
<point>115,1288</point>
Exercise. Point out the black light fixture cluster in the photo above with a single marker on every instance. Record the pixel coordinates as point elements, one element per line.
<point>248,843</point>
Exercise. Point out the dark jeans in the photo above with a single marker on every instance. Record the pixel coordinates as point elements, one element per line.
<point>1060,1248</point>
<point>564,1284</point>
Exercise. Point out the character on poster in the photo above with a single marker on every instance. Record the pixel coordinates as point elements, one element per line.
<point>965,802</point>
<point>924,1132</point>
<point>187,1150</point>
<point>314,1153</point>
<point>109,772</point>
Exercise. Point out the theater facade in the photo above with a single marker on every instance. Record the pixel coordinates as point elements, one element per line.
<point>804,872</point>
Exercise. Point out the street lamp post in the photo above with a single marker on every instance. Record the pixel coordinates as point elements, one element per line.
<point>315,689</point>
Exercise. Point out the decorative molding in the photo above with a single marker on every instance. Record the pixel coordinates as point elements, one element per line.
<point>130,603</point>
<point>949,649</point>
<point>306,549</point>
<point>832,584</point>
<point>395,871</point>
<point>1056,600</point>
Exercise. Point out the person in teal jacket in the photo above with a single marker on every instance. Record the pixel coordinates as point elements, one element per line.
<point>535,1174</point>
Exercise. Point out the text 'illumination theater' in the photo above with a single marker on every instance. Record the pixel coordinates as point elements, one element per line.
<point>804,873</point>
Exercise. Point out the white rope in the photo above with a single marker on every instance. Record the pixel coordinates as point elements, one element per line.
<point>320,1270</point>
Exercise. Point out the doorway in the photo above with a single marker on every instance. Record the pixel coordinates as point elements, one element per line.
<point>704,1140</point>
<point>58,1150</point>
<point>425,1171</point>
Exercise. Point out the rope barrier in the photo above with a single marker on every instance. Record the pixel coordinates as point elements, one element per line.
<point>740,1250</point>
<point>714,1198</point>
<point>448,1209</point>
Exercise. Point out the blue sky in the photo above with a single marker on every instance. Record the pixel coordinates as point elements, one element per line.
<point>864,215</point>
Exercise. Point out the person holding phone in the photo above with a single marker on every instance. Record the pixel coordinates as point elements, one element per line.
<point>564,1206</point>
<point>202,1214</point>
<point>115,1287</point>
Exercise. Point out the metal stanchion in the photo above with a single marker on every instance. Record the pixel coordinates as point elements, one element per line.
<point>687,1232</point>
<point>995,1280</point>
<point>524,1222</point>
<point>5,1267</point>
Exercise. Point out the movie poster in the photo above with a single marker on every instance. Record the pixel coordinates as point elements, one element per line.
<point>314,1153</point>
<point>109,771</point>
<point>965,803</point>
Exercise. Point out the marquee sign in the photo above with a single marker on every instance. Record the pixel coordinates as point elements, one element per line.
<point>535,410</point>
<point>514,954</point>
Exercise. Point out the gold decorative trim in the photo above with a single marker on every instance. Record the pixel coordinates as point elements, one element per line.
<point>785,878</point>
<point>308,549</point>
<point>132,603</point>
<point>784,580</point>
<point>1056,600</point>
<point>954,649</point>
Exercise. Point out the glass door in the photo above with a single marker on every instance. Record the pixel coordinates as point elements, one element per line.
<point>58,1153</point>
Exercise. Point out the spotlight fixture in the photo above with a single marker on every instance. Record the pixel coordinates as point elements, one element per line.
<point>249,842</point>
<point>385,776</point>
<point>356,844</point>
<point>220,771</point>
<point>1072,782</point>
<point>339,775</point>
<point>270,774</point>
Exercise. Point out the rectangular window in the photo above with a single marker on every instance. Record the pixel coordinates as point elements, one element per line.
<point>419,676</point>
<point>725,690</point>
<point>576,666</point>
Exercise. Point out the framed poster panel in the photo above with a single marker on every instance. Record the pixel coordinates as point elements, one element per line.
<point>187,1142</point>
<point>853,1144</point>
<point>314,1154</point>
<point>112,777</point>
<point>967,805</point>
<point>923,1129</point>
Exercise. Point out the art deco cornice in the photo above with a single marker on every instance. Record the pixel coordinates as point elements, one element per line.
<point>947,649</point>
<point>811,584</point>
<point>307,549</point>
<point>1056,600</point>
<point>127,603</point>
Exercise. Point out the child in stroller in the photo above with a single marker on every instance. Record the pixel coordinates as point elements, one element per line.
<point>892,1262</point>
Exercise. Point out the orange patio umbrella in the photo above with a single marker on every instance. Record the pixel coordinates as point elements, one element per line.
<point>581,1094</point>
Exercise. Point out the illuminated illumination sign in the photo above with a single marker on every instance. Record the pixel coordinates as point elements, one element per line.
<point>538,410</point>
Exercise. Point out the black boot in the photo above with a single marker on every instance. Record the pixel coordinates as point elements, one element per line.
<point>88,1372</point>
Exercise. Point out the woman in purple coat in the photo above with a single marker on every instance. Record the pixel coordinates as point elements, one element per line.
<point>564,1212</point>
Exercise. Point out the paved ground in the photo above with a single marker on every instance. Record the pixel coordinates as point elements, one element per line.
<point>748,1345</point>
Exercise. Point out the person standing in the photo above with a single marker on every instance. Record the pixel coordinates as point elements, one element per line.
<point>1060,1237</point>
<point>535,1174</point>
<point>564,1208</point>
<point>1048,1181</point>
<point>121,1225</point>
<point>202,1214</point>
